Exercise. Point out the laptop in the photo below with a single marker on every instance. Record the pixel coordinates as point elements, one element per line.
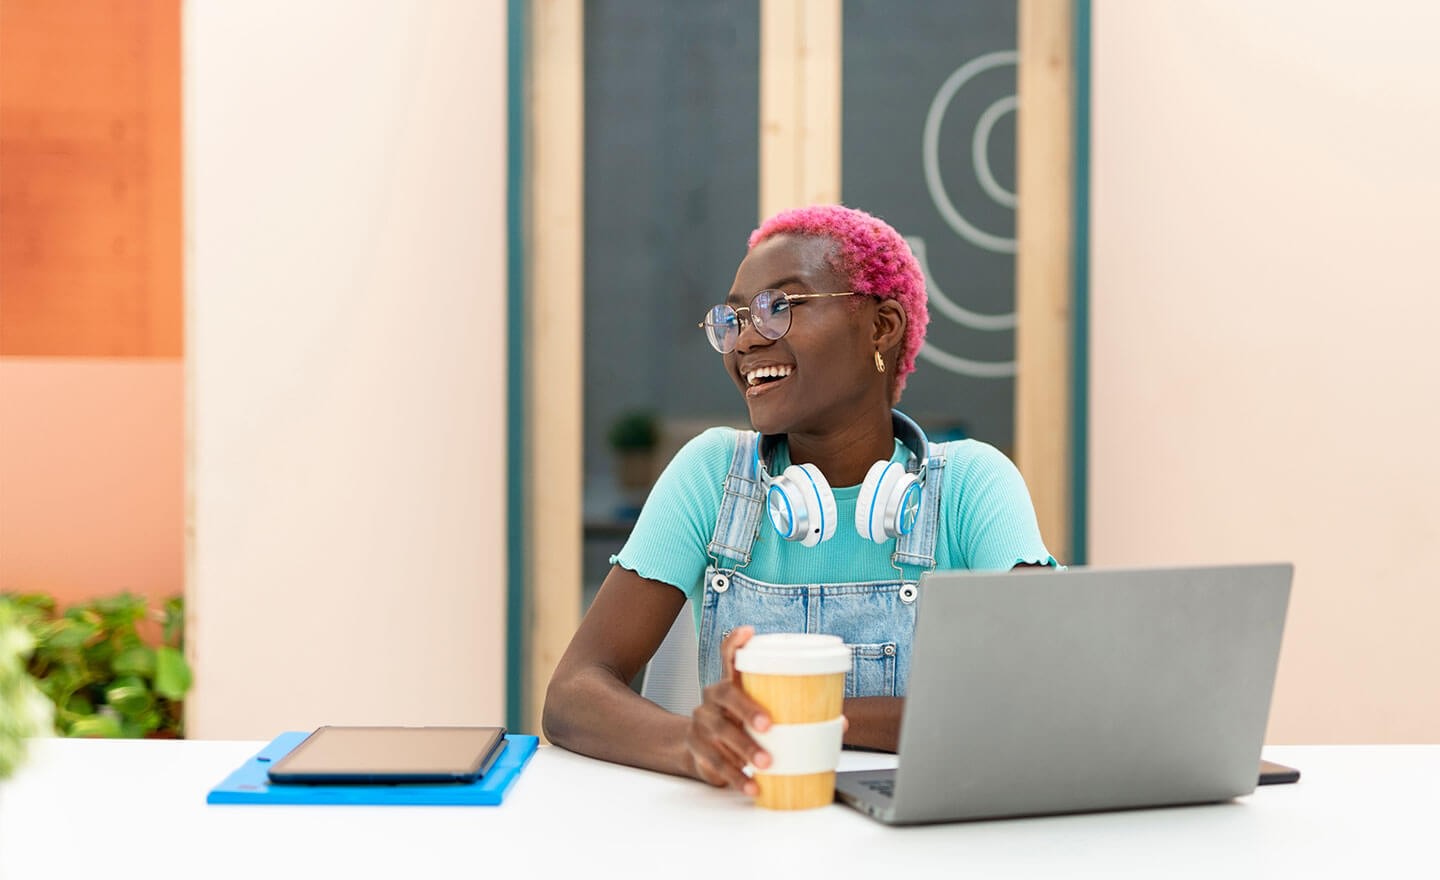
<point>1038,692</point>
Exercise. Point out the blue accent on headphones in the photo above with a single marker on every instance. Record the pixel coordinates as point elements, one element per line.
<point>888,505</point>
<point>788,531</point>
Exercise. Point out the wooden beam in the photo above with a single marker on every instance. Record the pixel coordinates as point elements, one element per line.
<point>800,85</point>
<point>1043,283</point>
<point>554,357</point>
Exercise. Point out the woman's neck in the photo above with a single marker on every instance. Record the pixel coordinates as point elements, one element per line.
<point>844,455</point>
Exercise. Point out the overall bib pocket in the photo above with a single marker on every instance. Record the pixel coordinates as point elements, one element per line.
<point>872,670</point>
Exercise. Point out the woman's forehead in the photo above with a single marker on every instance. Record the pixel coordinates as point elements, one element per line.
<point>788,258</point>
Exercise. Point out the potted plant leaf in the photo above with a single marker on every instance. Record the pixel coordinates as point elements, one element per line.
<point>104,677</point>
<point>24,711</point>
<point>633,438</point>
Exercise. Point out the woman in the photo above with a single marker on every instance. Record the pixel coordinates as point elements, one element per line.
<point>819,332</point>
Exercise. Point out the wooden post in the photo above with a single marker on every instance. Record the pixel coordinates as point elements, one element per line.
<point>799,103</point>
<point>1045,168</point>
<point>555,354</point>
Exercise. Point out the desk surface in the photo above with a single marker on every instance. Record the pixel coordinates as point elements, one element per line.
<point>126,808</point>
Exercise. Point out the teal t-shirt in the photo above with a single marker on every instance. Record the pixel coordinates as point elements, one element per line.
<point>987,523</point>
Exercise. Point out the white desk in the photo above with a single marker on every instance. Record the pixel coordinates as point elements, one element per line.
<point>120,809</point>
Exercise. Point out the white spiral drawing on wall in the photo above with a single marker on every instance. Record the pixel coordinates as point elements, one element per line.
<point>963,227</point>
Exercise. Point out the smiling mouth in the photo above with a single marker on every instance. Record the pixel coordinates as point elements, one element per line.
<point>767,375</point>
<point>763,380</point>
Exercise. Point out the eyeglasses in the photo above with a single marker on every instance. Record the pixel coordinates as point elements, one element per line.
<point>768,313</point>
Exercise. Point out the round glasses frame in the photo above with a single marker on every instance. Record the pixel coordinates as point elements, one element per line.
<point>768,312</point>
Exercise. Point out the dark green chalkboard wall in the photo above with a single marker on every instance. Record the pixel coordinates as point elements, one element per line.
<point>928,143</point>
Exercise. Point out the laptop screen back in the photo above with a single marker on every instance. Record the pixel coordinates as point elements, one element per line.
<point>1040,692</point>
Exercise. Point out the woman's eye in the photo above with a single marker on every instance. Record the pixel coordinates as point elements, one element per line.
<point>720,316</point>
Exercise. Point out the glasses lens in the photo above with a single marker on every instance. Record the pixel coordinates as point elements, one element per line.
<point>722,327</point>
<point>771,312</point>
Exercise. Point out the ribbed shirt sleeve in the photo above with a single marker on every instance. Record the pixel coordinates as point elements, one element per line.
<point>675,525</point>
<point>997,529</point>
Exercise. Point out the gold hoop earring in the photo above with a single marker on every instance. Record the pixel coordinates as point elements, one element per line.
<point>879,362</point>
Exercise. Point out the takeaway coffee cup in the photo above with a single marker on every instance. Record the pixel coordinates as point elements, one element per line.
<point>800,680</point>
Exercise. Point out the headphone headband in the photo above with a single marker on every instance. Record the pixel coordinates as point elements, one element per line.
<point>906,431</point>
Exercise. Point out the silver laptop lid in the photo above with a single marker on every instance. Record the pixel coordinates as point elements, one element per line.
<point>1049,692</point>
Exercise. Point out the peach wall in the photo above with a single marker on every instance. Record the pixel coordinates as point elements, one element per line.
<point>91,383</point>
<point>1265,379</point>
<point>91,463</point>
<point>345,228</point>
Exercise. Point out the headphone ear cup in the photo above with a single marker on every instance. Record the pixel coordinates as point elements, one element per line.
<point>902,509</point>
<point>801,505</point>
<point>819,501</point>
<point>786,509</point>
<point>867,517</point>
<point>880,509</point>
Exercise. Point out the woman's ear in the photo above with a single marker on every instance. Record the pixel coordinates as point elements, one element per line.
<point>890,323</point>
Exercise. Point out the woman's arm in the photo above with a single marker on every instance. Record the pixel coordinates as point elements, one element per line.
<point>589,706</point>
<point>993,519</point>
<point>874,722</point>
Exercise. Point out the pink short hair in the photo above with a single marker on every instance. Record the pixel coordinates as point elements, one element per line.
<point>874,257</point>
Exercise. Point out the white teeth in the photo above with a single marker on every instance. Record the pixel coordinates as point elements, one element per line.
<point>754,376</point>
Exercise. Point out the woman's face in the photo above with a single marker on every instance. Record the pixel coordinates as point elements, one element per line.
<point>819,372</point>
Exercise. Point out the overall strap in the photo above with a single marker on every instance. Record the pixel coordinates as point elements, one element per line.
<point>918,547</point>
<point>739,519</point>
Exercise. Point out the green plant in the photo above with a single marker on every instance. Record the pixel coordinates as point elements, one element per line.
<point>102,676</point>
<point>24,711</point>
<point>634,431</point>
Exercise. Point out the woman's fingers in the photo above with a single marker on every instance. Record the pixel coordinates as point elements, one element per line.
<point>720,749</point>
<point>732,701</point>
<point>728,709</point>
<point>732,643</point>
<point>717,740</point>
<point>736,701</point>
<point>719,771</point>
<point>719,746</point>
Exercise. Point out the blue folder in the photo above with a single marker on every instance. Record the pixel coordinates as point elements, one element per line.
<point>250,784</point>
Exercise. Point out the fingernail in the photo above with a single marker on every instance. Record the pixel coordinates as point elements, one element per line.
<point>752,789</point>
<point>761,759</point>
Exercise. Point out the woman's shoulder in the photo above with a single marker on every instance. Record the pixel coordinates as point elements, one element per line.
<point>708,452</point>
<point>970,449</point>
<point>712,442</point>
<point>968,460</point>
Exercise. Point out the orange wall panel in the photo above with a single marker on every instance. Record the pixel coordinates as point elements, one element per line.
<point>91,476</point>
<point>90,211</point>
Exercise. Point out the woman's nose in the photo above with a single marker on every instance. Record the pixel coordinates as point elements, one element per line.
<point>750,331</point>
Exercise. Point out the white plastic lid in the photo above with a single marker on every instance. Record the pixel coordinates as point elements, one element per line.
<point>793,654</point>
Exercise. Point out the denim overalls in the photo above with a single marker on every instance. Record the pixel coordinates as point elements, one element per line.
<point>875,618</point>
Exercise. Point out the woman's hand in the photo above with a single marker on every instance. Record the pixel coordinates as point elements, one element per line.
<point>719,746</point>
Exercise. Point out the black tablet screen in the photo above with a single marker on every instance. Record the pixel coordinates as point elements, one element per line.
<point>391,754</point>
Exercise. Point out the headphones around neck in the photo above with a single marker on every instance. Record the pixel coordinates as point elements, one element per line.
<point>802,507</point>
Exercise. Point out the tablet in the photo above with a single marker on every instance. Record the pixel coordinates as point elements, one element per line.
<point>1277,774</point>
<point>370,755</point>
